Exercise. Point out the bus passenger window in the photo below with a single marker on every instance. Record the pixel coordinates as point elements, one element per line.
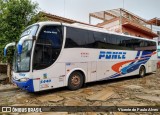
<point>76,38</point>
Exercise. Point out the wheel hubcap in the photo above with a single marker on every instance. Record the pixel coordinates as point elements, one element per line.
<point>75,80</point>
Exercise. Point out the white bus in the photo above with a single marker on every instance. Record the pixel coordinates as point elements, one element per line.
<point>51,55</point>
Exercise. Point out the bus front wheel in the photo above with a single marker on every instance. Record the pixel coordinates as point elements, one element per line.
<point>75,81</point>
<point>142,71</point>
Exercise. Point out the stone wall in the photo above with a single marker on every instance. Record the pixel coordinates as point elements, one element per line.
<point>3,68</point>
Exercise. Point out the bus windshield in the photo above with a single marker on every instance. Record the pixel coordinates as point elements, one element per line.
<point>21,62</point>
<point>30,31</point>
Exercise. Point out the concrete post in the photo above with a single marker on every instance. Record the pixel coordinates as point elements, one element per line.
<point>89,19</point>
<point>121,20</point>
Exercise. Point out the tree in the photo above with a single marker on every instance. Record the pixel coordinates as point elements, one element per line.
<point>15,15</point>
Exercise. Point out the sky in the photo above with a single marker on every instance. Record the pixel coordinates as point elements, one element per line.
<point>80,9</point>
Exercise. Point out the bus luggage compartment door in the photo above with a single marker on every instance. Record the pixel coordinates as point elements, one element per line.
<point>152,65</point>
<point>92,71</point>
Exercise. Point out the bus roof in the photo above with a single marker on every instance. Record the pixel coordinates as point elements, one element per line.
<point>88,27</point>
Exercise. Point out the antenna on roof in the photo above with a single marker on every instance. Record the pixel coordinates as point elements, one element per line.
<point>64,7</point>
<point>123,4</point>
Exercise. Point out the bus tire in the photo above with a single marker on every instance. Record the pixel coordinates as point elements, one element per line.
<point>75,81</point>
<point>142,71</point>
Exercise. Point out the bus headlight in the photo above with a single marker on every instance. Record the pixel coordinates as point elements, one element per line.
<point>24,79</point>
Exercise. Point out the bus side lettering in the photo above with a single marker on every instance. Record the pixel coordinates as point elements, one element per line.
<point>112,55</point>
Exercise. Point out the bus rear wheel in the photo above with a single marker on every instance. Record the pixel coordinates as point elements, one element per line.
<point>75,81</point>
<point>142,71</point>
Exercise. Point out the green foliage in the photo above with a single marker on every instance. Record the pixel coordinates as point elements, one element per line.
<point>15,15</point>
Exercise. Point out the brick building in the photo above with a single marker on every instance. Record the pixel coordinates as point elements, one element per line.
<point>123,21</point>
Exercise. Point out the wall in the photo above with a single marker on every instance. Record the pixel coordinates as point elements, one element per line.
<point>3,68</point>
<point>113,26</point>
<point>135,33</point>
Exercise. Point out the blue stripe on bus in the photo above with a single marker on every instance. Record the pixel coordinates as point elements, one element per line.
<point>138,53</point>
<point>132,66</point>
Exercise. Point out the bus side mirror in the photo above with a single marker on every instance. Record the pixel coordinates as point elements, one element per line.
<point>19,48</point>
<point>6,47</point>
<point>20,43</point>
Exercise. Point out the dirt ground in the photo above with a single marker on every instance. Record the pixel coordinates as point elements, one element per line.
<point>130,91</point>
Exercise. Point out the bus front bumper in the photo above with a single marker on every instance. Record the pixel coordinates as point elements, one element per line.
<point>25,85</point>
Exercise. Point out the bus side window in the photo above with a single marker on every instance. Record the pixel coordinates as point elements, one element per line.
<point>91,40</point>
<point>100,40</point>
<point>76,38</point>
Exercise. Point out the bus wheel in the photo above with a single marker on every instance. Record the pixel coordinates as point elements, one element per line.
<point>142,71</point>
<point>75,81</point>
